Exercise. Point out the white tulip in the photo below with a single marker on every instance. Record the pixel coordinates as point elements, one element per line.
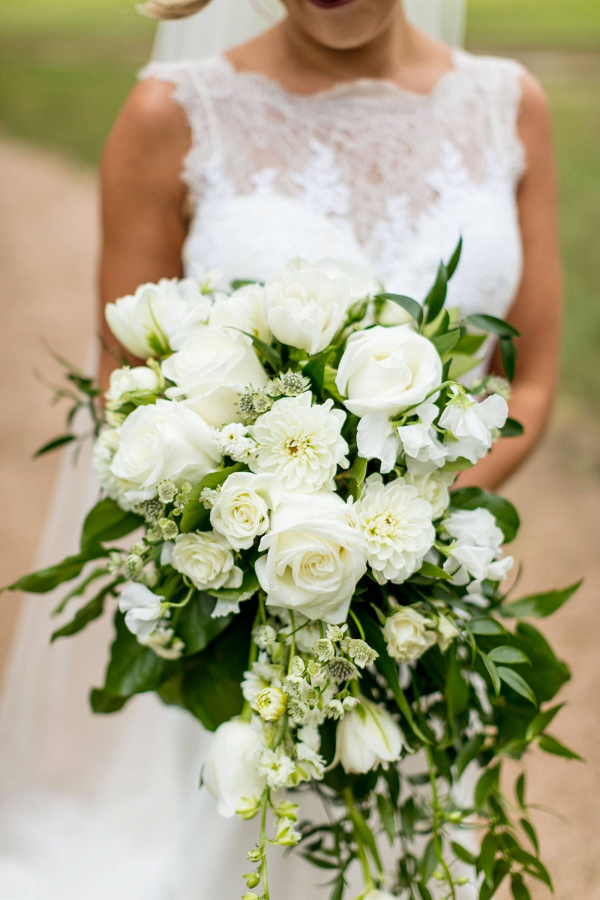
<point>244,310</point>
<point>241,512</point>
<point>231,772</point>
<point>142,609</point>
<point>315,556</point>
<point>163,440</point>
<point>305,308</point>
<point>300,443</point>
<point>408,634</point>
<point>367,737</point>
<point>387,370</point>
<point>471,425</point>
<point>211,370</point>
<point>207,560</point>
<point>433,487</point>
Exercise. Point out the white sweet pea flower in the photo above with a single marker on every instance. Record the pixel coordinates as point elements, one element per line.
<point>477,527</point>
<point>210,371</point>
<point>163,440</point>
<point>387,370</point>
<point>377,439</point>
<point>367,737</point>
<point>300,443</point>
<point>397,526</point>
<point>433,487</point>
<point>244,310</point>
<point>163,642</point>
<point>231,773</point>
<point>315,556</point>
<point>305,308</point>
<point>478,542</point>
<point>408,634</point>
<point>143,609</point>
<point>125,380</point>
<point>471,425</point>
<point>422,448</point>
<point>207,560</point>
<point>241,511</point>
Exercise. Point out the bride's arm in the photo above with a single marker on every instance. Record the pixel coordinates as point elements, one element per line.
<point>537,310</point>
<point>143,199</point>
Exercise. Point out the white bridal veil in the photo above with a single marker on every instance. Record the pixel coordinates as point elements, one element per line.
<point>225,23</point>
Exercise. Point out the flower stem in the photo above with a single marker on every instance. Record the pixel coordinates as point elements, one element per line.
<point>437,843</point>
<point>263,841</point>
<point>357,623</point>
<point>293,644</point>
<point>362,853</point>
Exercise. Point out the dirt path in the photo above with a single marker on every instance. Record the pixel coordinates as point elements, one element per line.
<point>47,248</point>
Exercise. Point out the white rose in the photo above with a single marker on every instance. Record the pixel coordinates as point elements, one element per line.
<point>408,634</point>
<point>125,380</point>
<point>397,525</point>
<point>361,278</point>
<point>433,487</point>
<point>142,609</point>
<point>105,447</point>
<point>245,310</point>
<point>211,370</point>
<point>206,558</point>
<point>471,425</point>
<point>241,512</point>
<point>387,370</point>
<point>315,556</point>
<point>300,443</point>
<point>147,322</point>
<point>163,440</point>
<point>231,772</point>
<point>305,308</point>
<point>367,737</point>
<point>447,632</point>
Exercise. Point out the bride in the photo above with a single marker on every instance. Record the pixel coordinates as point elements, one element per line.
<point>341,132</point>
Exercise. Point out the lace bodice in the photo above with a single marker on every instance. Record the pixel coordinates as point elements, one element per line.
<point>364,171</point>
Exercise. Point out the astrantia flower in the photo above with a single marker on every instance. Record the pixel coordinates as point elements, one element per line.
<point>471,424</point>
<point>397,526</point>
<point>361,653</point>
<point>324,649</point>
<point>408,634</point>
<point>277,767</point>
<point>300,443</point>
<point>207,560</point>
<point>341,669</point>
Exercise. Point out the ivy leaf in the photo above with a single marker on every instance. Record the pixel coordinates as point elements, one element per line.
<point>132,669</point>
<point>414,309</point>
<point>195,517</point>
<point>196,626</point>
<point>103,703</point>
<point>538,606</point>
<point>108,522</point>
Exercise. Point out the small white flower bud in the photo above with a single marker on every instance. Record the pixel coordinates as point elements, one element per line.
<point>252,879</point>
<point>254,855</point>
<point>350,703</point>
<point>264,636</point>
<point>169,529</point>
<point>270,703</point>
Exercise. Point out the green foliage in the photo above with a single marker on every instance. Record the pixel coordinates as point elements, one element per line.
<point>538,606</point>
<point>195,516</point>
<point>108,522</point>
<point>47,579</point>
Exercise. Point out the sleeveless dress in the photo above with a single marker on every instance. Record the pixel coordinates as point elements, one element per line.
<point>93,808</point>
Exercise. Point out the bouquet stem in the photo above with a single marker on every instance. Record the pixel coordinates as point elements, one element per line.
<point>357,822</point>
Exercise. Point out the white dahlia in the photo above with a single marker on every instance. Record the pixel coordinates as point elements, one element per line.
<point>397,525</point>
<point>300,443</point>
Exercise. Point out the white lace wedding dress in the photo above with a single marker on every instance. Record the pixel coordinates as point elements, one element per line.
<point>108,807</point>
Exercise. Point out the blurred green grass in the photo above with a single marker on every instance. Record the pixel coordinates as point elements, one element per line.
<point>65,67</point>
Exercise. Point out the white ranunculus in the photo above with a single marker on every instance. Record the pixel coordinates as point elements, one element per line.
<point>142,608</point>
<point>433,487</point>
<point>471,425</point>
<point>315,556</point>
<point>241,512</point>
<point>376,439</point>
<point>387,370</point>
<point>367,737</point>
<point>244,310</point>
<point>163,440</point>
<point>300,443</point>
<point>206,558</point>
<point>305,308</point>
<point>105,448</point>
<point>478,543</point>
<point>210,371</point>
<point>397,526</point>
<point>148,322</point>
<point>231,772</point>
<point>408,634</point>
<point>422,448</point>
<point>125,380</point>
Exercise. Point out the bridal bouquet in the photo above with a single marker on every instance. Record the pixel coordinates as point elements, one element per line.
<point>303,579</point>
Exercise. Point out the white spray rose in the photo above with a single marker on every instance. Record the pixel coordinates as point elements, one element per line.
<point>367,737</point>
<point>160,441</point>
<point>105,448</point>
<point>433,487</point>
<point>315,556</point>
<point>305,308</point>
<point>387,370</point>
<point>397,525</point>
<point>211,370</point>
<point>300,443</point>
<point>231,772</point>
<point>471,425</point>
<point>207,560</point>
<point>447,632</point>
<point>122,381</point>
<point>408,634</point>
<point>244,310</point>
<point>142,609</point>
<point>241,512</point>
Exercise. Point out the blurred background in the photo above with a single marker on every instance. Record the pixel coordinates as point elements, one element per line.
<point>65,68</point>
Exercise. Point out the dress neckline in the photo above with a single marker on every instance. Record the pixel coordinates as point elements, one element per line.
<point>364,85</point>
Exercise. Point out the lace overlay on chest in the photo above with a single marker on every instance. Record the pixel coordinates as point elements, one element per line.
<point>365,170</point>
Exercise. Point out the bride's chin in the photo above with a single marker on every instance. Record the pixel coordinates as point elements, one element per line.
<point>342,24</point>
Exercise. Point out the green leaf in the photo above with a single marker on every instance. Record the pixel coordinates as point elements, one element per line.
<point>195,625</point>
<point>541,721</point>
<point>54,445</point>
<point>512,428</point>
<point>456,689</point>
<point>339,886</point>
<point>517,683</point>
<point>103,703</point>
<point>108,522</point>
<point>387,814</point>
<point>492,325</point>
<point>462,364</point>
<point>550,745</point>
<point>538,606</point>
<point>518,889</point>
<point>503,511</point>
<point>430,861</point>
<point>487,784</point>
<point>414,309</point>
<point>492,671</point>
<point>444,343</point>
<point>487,857</point>
<point>431,571</point>
<point>78,590</point>
<point>508,355</point>
<point>454,260</point>
<point>469,344</point>
<point>231,595</point>
<point>520,790</point>
<point>132,669</point>
<point>531,834</point>
<point>315,370</point>
<point>195,517</point>
<point>267,354</point>
<point>457,465</point>
<point>423,892</point>
<point>47,579</point>
<point>507,654</point>
<point>463,854</point>
<point>485,625</point>
<point>92,610</point>
<point>355,476</point>
<point>437,295</point>
<point>468,753</point>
